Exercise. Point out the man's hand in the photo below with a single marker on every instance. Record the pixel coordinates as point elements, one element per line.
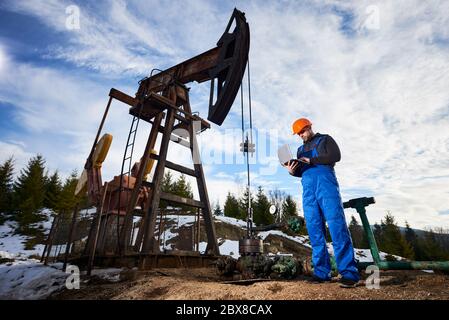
<point>291,166</point>
<point>304,159</point>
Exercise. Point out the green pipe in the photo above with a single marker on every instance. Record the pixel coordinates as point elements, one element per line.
<point>408,265</point>
<point>360,204</point>
<point>369,234</point>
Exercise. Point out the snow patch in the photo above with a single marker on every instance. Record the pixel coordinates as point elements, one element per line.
<point>109,274</point>
<point>227,248</point>
<point>364,255</point>
<point>303,240</point>
<point>14,243</point>
<point>28,279</point>
<point>233,221</point>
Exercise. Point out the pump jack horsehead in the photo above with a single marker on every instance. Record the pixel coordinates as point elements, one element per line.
<point>163,96</point>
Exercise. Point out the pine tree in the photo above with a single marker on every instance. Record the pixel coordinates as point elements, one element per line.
<point>244,204</point>
<point>289,208</point>
<point>166,186</point>
<point>412,238</point>
<point>358,235</point>
<point>406,249</point>
<point>6,185</point>
<point>303,230</point>
<point>167,182</point>
<point>53,188</point>
<point>393,242</point>
<point>180,187</point>
<point>356,232</point>
<point>442,237</point>
<point>377,231</point>
<point>217,210</point>
<point>389,235</point>
<point>29,191</point>
<point>432,250</point>
<point>231,207</point>
<point>261,211</point>
<point>66,199</point>
<point>183,189</point>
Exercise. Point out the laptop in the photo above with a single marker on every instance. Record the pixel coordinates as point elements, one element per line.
<point>285,155</point>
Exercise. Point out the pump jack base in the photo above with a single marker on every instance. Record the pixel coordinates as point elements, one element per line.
<point>148,261</point>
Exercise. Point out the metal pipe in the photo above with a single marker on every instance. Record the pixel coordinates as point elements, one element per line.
<point>408,265</point>
<point>369,234</point>
<point>360,204</point>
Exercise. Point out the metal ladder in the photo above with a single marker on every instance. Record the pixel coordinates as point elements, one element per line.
<point>127,160</point>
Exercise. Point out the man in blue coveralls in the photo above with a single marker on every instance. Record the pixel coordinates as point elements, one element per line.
<point>322,202</point>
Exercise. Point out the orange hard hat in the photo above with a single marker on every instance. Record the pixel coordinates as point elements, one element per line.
<point>300,124</point>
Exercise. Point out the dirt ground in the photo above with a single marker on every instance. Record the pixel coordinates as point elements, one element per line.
<point>202,284</point>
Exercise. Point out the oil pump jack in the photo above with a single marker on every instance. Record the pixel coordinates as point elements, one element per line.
<point>161,97</point>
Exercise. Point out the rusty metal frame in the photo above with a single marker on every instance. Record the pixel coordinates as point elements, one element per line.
<point>165,95</point>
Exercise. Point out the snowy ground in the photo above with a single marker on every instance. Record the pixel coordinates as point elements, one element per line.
<point>29,279</point>
<point>14,243</point>
<point>22,277</point>
<point>231,247</point>
<point>233,221</point>
<point>177,221</point>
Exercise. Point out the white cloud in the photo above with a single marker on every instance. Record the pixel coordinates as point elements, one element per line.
<point>59,114</point>
<point>3,60</point>
<point>18,151</point>
<point>382,93</point>
<point>120,38</point>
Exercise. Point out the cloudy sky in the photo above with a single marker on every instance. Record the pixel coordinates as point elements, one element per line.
<point>373,74</point>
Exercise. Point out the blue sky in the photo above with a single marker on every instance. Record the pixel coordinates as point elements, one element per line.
<point>374,76</point>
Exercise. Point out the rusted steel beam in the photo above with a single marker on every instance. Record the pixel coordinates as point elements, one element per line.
<point>70,239</point>
<point>150,106</point>
<point>49,238</point>
<point>212,245</point>
<point>198,231</point>
<point>175,166</point>
<point>97,231</point>
<point>225,65</point>
<point>102,234</point>
<point>155,100</point>
<point>105,114</point>
<point>194,69</point>
<point>50,245</point>
<point>123,97</point>
<point>154,195</point>
<point>181,200</point>
<point>180,168</point>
